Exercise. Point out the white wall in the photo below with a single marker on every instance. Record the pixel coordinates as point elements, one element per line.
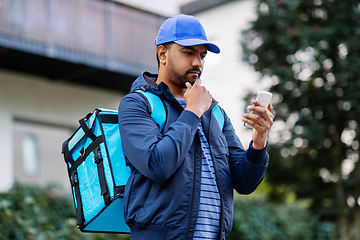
<point>35,98</point>
<point>227,77</point>
<point>6,150</point>
<point>48,109</point>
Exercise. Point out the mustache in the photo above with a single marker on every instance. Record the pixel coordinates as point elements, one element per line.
<point>197,70</point>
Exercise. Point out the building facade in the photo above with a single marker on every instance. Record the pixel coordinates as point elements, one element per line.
<point>60,59</point>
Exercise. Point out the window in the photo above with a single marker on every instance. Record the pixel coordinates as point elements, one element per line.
<point>37,153</point>
<point>30,156</point>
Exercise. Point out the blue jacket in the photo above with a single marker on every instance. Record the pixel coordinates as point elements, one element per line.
<point>162,194</point>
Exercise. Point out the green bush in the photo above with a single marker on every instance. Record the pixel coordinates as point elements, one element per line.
<point>258,219</point>
<point>35,213</point>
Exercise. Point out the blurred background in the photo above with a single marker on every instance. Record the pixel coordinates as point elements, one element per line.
<point>60,59</point>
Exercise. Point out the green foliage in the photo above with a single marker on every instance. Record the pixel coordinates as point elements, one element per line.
<point>31,212</point>
<point>34,213</point>
<point>310,50</point>
<point>262,220</point>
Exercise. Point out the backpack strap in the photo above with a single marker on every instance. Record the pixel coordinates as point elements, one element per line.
<point>220,118</point>
<point>156,108</point>
<point>159,115</point>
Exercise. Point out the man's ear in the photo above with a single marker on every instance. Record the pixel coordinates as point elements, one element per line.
<point>162,53</point>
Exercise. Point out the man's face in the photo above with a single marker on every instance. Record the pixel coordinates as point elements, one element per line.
<point>185,64</point>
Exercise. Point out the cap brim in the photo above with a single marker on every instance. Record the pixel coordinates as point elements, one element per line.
<point>194,42</point>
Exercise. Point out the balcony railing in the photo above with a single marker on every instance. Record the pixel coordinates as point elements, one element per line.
<point>98,33</point>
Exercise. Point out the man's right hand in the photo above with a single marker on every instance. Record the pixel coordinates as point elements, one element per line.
<point>197,98</point>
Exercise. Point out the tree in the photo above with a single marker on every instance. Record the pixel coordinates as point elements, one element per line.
<point>310,49</point>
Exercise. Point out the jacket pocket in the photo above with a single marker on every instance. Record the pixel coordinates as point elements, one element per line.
<point>220,150</point>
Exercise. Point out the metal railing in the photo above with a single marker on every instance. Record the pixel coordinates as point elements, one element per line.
<point>94,32</point>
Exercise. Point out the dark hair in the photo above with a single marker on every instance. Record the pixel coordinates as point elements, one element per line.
<point>166,46</point>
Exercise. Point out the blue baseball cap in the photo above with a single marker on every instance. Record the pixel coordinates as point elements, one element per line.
<point>184,30</point>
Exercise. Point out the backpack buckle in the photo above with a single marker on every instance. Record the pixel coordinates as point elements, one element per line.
<point>97,154</point>
<point>74,179</point>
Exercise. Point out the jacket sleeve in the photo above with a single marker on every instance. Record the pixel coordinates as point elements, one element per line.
<point>157,156</point>
<point>247,167</point>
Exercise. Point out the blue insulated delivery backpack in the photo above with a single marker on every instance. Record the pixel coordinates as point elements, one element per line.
<point>97,169</point>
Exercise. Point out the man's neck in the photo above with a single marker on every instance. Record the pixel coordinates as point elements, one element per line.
<point>178,92</point>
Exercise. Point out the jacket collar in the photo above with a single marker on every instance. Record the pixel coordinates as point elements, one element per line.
<point>147,82</point>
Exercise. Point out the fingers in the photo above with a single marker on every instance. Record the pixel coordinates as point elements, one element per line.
<point>259,108</point>
<point>188,85</point>
<point>196,83</point>
<point>259,117</point>
<point>198,98</point>
<point>270,107</point>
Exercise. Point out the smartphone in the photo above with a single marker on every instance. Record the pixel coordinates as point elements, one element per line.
<point>263,98</point>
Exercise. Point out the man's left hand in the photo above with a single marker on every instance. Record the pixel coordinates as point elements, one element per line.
<point>261,125</point>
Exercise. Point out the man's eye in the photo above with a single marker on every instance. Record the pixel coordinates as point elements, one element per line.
<point>203,56</point>
<point>188,52</point>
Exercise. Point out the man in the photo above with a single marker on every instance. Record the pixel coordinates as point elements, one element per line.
<point>183,176</point>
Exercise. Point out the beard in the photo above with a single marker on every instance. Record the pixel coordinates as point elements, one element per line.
<point>179,79</point>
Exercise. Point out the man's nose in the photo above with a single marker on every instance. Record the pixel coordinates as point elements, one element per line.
<point>197,61</point>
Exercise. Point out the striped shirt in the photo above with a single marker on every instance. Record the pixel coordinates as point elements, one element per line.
<point>208,222</point>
